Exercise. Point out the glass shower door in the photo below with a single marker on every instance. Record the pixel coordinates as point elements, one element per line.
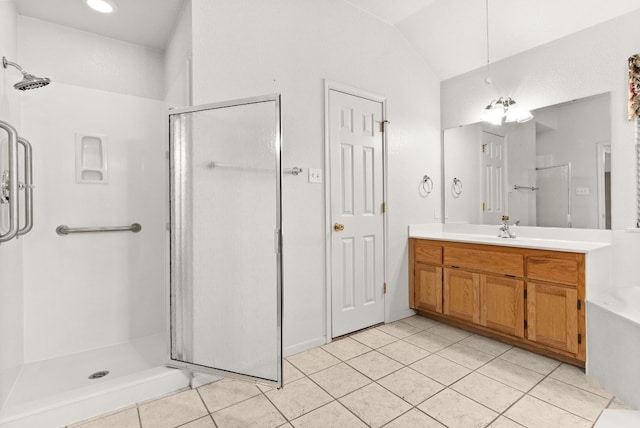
<point>226,262</point>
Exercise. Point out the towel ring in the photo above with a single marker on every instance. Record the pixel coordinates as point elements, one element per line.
<point>427,185</point>
<point>456,187</point>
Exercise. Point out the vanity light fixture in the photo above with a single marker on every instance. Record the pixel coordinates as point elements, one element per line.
<point>102,6</point>
<point>503,110</point>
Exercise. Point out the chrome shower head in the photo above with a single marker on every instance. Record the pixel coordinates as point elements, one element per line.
<point>29,81</point>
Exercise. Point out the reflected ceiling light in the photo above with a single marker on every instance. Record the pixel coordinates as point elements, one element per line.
<point>102,6</point>
<point>503,110</point>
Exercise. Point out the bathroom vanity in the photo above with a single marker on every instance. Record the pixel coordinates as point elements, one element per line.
<point>526,292</point>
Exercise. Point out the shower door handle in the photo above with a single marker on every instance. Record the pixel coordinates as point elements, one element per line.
<point>28,186</point>
<point>11,183</point>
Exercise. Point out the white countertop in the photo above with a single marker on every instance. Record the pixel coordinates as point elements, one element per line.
<point>435,232</point>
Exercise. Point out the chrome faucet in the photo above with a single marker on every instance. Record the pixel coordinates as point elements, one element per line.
<point>504,231</point>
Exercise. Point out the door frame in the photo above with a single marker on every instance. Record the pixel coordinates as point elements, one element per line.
<point>330,85</point>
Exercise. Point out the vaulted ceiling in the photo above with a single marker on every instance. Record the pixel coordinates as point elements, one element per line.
<point>451,35</point>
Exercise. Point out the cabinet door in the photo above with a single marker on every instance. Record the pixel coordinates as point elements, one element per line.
<point>461,295</point>
<point>552,315</point>
<point>502,304</point>
<point>428,287</point>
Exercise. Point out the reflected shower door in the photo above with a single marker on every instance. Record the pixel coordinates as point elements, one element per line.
<point>226,282</point>
<point>553,197</point>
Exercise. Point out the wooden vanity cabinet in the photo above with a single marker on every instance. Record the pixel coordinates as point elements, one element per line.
<point>526,297</point>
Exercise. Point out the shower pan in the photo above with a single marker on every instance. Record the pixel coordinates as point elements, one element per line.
<point>226,259</point>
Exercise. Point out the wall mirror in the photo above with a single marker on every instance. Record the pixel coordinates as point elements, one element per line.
<point>552,171</point>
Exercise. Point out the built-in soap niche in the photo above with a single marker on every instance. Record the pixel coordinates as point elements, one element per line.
<point>91,159</point>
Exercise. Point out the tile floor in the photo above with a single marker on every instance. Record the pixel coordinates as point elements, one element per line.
<point>412,373</point>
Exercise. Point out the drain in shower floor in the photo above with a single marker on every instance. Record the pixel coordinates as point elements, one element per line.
<point>98,375</point>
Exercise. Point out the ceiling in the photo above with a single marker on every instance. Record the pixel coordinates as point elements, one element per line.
<point>451,35</point>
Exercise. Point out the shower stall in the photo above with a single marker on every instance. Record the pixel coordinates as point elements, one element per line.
<point>108,317</point>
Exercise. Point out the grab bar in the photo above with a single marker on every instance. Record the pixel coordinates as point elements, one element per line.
<point>65,230</point>
<point>28,186</point>
<point>9,189</point>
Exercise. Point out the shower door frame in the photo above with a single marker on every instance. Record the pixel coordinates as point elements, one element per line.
<point>177,163</point>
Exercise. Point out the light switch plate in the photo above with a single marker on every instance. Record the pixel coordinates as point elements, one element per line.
<point>582,190</point>
<point>315,175</point>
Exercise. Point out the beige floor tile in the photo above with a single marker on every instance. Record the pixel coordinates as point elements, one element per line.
<point>404,352</point>
<point>486,345</point>
<point>465,356</point>
<point>333,414</point>
<point>429,341</point>
<point>125,419</point>
<point>374,338</point>
<point>205,422</point>
<point>313,360</point>
<point>410,385</point>
<point>290,373</point>
<point>503,422</point>
<point>511,374</point>
<point>298,398</point>
<point>534,413</point>
<point>572,399</point>
<point>440,369</point>
<point>173,410</point>
<point>420,322</point>
<point>256,412</point>
<point>226,392</point>
<point>487,391</point>
<point>452,333</point>
<point>399,329</point>
<point>457,411</point>
<point>375,405</point>
<point>346,348</point>
<point>617,404</point>
<point>529,360</point>
<point>414,418</point>
<point>374,365</point>
<point>340,379</point>
<point>576,377</point>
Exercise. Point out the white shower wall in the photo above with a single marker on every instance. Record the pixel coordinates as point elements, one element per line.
<point>83,292</point>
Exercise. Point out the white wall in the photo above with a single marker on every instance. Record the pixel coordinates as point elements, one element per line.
<point>589,62</point>
<point>177,61</point>
<point>11,295</point>
<point>89,60</point>
<point>87,291</point>
<point>521,152</point>
<point>249,48</point>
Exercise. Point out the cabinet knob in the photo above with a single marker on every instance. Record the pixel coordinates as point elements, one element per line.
<point>338,227</point>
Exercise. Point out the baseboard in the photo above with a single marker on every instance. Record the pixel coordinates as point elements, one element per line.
<point>400,315</point>
<point>303,346</point>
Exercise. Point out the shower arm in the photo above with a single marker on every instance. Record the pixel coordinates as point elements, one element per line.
<point>6,62</point>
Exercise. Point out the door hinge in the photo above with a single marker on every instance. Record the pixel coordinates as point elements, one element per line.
<point>484,147</point>
<point>384,207</point>
<point>525,324</point>
<point>484,207</point>
<point>579,305</point>
<point>383,125</point>
<point>579,339</point>
<point>385,288</point>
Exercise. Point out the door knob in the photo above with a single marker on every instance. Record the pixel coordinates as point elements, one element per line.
<point>338,227</point>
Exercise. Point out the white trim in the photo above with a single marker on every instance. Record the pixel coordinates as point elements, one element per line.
<point>303,346</point>
<point>357,92</point>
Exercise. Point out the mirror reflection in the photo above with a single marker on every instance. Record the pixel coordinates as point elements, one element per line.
<point>552,171</point>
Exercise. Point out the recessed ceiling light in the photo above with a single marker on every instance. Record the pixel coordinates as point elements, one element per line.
<point>102,6</point>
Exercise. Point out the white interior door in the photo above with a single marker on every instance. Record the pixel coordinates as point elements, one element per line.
<point>493,178</point>
<point>357,221</point>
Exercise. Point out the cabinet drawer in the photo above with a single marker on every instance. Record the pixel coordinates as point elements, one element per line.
<point>426,252</point>
<point>563,271</point>
<point>485,260</point>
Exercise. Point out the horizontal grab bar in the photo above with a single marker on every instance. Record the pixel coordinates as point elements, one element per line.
<point>65,230</point>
